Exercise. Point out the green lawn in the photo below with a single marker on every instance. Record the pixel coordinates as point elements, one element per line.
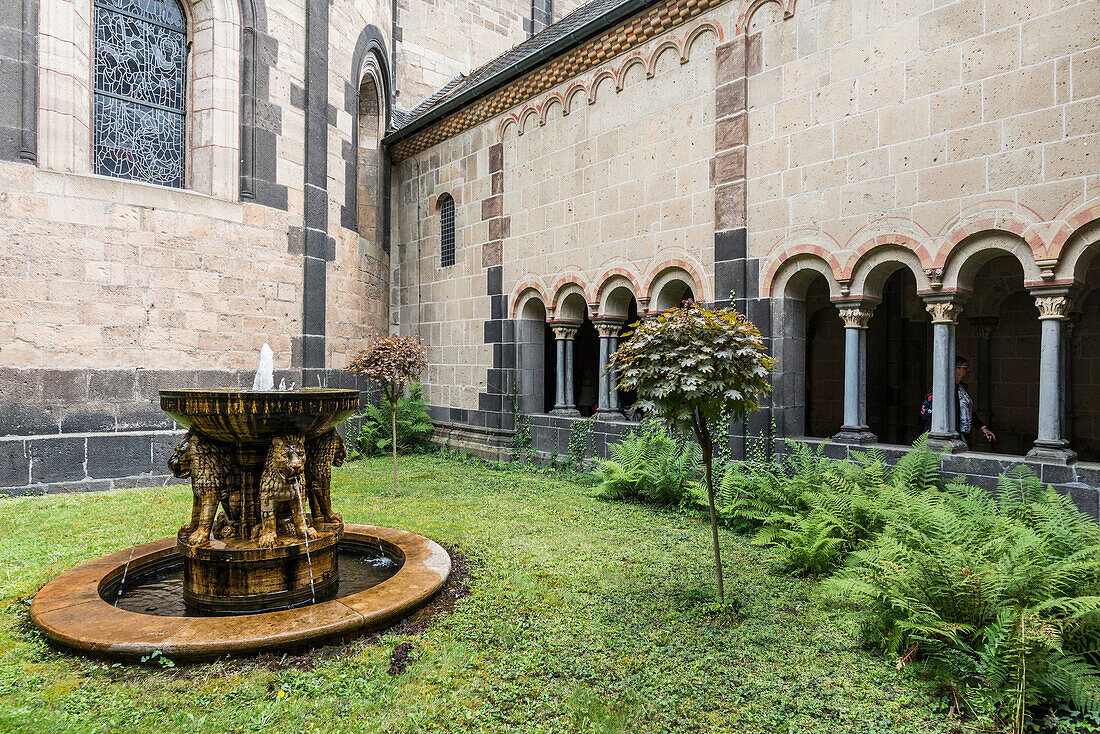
<point>583,616</point>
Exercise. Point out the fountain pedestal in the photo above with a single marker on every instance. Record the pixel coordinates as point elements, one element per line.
<point>262,534</point>
<point>237,576</point>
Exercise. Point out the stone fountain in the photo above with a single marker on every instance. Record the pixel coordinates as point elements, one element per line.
<point>260,554</point>
<point>256,460</point>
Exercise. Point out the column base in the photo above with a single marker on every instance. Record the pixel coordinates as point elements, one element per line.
<point>1052,452</point>
<point>854,434</point>
<point>607,414</point>
<point>565,412</point>
<point>950,443</point>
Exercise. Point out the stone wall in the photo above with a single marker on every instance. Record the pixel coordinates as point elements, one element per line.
<point>604,179</point>
<point>901,117</point>
<point>437,41</point>
<point>100,273</point>
<point>114,289</point>
<point>447,306</point>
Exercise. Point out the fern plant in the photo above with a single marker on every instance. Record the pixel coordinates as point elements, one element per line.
<point>1000,598</point>
<point>650,464</point>
<point>412,420</point>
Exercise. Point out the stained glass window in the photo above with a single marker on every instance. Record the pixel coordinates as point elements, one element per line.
<point>447,231</point>
<point>139,115</point>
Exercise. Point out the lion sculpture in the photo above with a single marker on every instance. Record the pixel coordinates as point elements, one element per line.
<point>322,453</point>
<point>280,491</point>
<point>204,462</point>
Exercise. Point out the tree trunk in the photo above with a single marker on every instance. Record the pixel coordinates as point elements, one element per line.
<point>393,445</point>
<point>702,432</point>
<point>707,461</point>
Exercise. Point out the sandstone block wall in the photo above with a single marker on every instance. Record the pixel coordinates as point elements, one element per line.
<point>447,306</point>
<point>605,178</point>
<point>622,181</point>
<point>440,40</point>
<point>908,115</point>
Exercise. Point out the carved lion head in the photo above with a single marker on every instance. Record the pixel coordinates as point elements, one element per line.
<point>179,463</point>
<point>287,455</point>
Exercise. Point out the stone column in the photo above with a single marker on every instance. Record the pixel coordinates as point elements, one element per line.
<point>613,378</point>
<point>1051,444</point>
<point>855,430</point>
<point>606,409</point>
<point>564,404</point>
<point>944,435</point>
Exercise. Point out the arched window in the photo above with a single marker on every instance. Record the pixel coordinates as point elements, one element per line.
<point>446,231</point>
<point>139,113</point>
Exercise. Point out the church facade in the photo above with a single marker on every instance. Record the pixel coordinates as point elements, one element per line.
<point>882,185</point>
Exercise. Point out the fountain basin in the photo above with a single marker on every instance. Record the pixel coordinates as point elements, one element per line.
<point>235,576</point>
<point>72,610</point>
<point>252,416</point>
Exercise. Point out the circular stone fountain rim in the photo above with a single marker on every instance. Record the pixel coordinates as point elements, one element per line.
<point>69,609</point>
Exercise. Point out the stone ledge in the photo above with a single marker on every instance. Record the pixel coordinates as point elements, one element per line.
<point>1080,481</point>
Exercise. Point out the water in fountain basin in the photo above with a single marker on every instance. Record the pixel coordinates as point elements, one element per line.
<point>160,592</point>
<point>309,559</point>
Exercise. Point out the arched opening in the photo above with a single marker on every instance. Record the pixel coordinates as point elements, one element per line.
<point>586,374</point>
<point>446,231</point>
<point>535,344</point>
<point>1082,334</point>
<point>672,294</point>
<point>899,354</point>
<point>999,335</point>
<point>824,375</point>
<point>369,174</point>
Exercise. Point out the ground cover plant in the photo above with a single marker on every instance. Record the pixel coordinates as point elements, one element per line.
<point>410,423</point>
<point>582,616</point>
<point>998,596</point>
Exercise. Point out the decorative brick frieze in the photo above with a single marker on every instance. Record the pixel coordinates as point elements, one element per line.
<point>617,41</point>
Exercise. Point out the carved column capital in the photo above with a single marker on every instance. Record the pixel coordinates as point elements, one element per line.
<point>608,329</point>
<point>1053,307</point>
<point>944,312</point>
<point>564,332</point>
<point>855,317</point>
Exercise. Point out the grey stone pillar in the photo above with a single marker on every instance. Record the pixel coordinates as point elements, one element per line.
<point>944,435</point>
<point>613,376</point>
<point>564,404</point>
<point>531,362</point>
<point>1051,444</point>
<point>606,409</point>
<point>856,316</point>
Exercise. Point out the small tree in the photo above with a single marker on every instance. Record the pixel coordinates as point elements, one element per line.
<point>393,362</point>
<point>688,365</point>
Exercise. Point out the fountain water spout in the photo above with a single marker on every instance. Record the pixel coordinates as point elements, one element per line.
<point>265,374</point>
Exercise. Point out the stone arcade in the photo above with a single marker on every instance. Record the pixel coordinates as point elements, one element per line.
<point>880,184</point>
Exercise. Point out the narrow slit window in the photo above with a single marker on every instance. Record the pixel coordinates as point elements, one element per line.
<point>447,232</point>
